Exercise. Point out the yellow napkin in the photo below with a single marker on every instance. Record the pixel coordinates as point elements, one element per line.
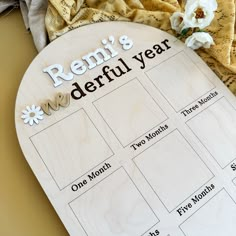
<point>65,15</point>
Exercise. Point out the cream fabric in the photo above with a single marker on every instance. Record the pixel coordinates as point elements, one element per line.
<point>33,12</point>
<point>4,4</point>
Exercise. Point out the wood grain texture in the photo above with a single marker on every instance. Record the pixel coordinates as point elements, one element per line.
<point>109,162</point>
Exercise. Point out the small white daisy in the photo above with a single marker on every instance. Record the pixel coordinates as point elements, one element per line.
<point>32,115</point>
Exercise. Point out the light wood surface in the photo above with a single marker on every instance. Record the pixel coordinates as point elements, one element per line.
<point>24,207</point>
<point>147,141</point>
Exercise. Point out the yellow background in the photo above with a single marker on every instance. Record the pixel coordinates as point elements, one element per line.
<point>24,207</point>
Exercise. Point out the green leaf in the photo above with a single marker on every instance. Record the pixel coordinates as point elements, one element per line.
<point>184,31</point>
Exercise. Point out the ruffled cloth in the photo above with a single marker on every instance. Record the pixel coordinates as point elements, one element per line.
<point>65,15</point>
<point>33,12</point>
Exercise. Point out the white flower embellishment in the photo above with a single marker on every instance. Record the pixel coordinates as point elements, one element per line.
<point>32,115</point>
<point>191,23</point>
<point>177,21</point>
<point>199,13</point>
<point>199,39</point>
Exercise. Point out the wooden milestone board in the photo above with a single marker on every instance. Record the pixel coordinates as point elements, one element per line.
<point>138,135</point>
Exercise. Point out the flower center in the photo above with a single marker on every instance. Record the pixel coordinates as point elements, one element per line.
<point>199,13</point>
<point>32,114</point>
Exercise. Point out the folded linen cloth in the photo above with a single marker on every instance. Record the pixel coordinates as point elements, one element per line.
<point>65,15</point>
<point>33,12</point>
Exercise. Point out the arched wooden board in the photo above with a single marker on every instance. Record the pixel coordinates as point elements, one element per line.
<point>147,145</point>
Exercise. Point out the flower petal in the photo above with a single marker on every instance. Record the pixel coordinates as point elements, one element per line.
<point>39,117</point>
<point>36,120</point>
<point>25,116</point>
<point>38,108</point>
<point>40,113</point>
<point>26,120</point>
<point>31,121</point>
<point>25,112</point>
<point>28,109</point>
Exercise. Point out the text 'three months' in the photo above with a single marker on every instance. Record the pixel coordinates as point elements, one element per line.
<point>200,103</point>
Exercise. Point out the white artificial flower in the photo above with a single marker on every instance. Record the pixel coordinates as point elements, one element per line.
<point>199,13</point>
<point>199,39</point>
<point>177,22</point>
<point>32,115</point>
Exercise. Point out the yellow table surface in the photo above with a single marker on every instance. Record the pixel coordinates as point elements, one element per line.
<point>24,207</point>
